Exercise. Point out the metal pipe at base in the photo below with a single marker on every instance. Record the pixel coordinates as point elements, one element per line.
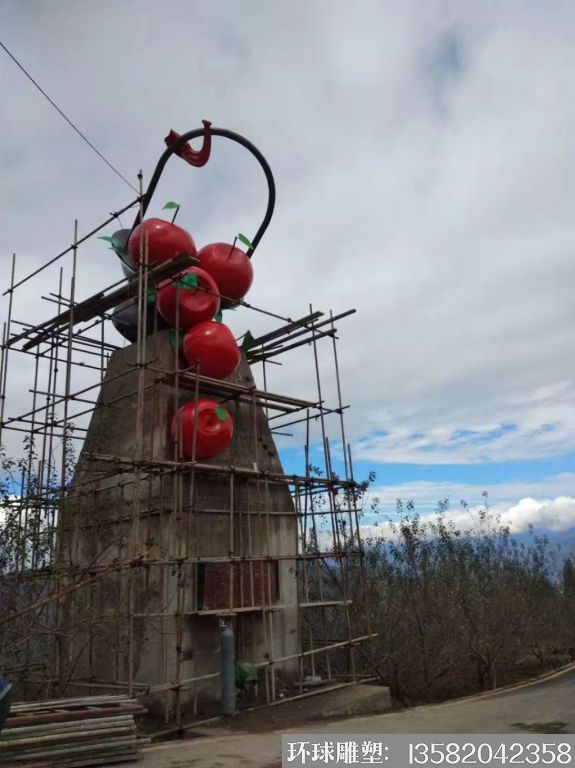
<point>228,669</point>
<point>5,700</point>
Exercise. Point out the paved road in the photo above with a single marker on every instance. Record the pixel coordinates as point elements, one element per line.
<point>542,707</point>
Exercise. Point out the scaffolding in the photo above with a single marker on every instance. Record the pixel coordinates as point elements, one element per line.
<point>120,559</point>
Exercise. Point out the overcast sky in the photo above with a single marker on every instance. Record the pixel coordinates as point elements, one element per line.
<point>424,156</point>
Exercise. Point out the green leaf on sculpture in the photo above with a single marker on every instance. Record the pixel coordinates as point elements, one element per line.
<point>188,281</point>
<point>170,206</point>
<point>175,338</point>
<point>243,239</point>
<point>248,341</point>
<point>221,413</point>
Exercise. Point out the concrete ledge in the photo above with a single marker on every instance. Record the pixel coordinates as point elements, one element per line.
<point>351,701</point>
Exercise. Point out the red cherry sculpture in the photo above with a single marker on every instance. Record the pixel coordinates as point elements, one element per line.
<point>231,269</point>
<point>213,346</point>
<point>164,239</point>
<point>189,297</point>
<point>214,429</point>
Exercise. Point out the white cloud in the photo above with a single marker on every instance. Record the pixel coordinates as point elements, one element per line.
<point>427,493</point>
<point>537,424</point>
<point>553,515</point>
<point>547,504</point>
<point>542,515</point>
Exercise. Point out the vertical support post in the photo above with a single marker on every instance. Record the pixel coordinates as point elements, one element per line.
<point>134,543</point>
<point>5,348</point>
<point>63,641</point>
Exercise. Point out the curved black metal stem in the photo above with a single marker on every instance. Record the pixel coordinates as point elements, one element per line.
<point>224,133</point>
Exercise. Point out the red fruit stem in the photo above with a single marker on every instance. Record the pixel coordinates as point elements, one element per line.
<point>198,158</point>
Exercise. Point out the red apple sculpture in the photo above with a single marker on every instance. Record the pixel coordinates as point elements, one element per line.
<point>231,269</point>
<point>189,297</point>
<point>211,346</point>
<point>164,241</point>
<point>213,431</point>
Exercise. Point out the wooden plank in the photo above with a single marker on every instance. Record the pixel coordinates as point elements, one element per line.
<point>60,717</point>
<point>99,303</point>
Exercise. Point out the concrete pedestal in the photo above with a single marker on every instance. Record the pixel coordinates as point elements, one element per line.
<point>157,623</point>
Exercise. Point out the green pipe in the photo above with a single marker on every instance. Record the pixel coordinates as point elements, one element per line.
<point>228,670</point>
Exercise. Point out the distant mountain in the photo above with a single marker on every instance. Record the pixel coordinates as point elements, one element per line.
<point>564,538</point>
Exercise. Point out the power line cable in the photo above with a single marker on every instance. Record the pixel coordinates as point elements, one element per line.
<point>66,118</point>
